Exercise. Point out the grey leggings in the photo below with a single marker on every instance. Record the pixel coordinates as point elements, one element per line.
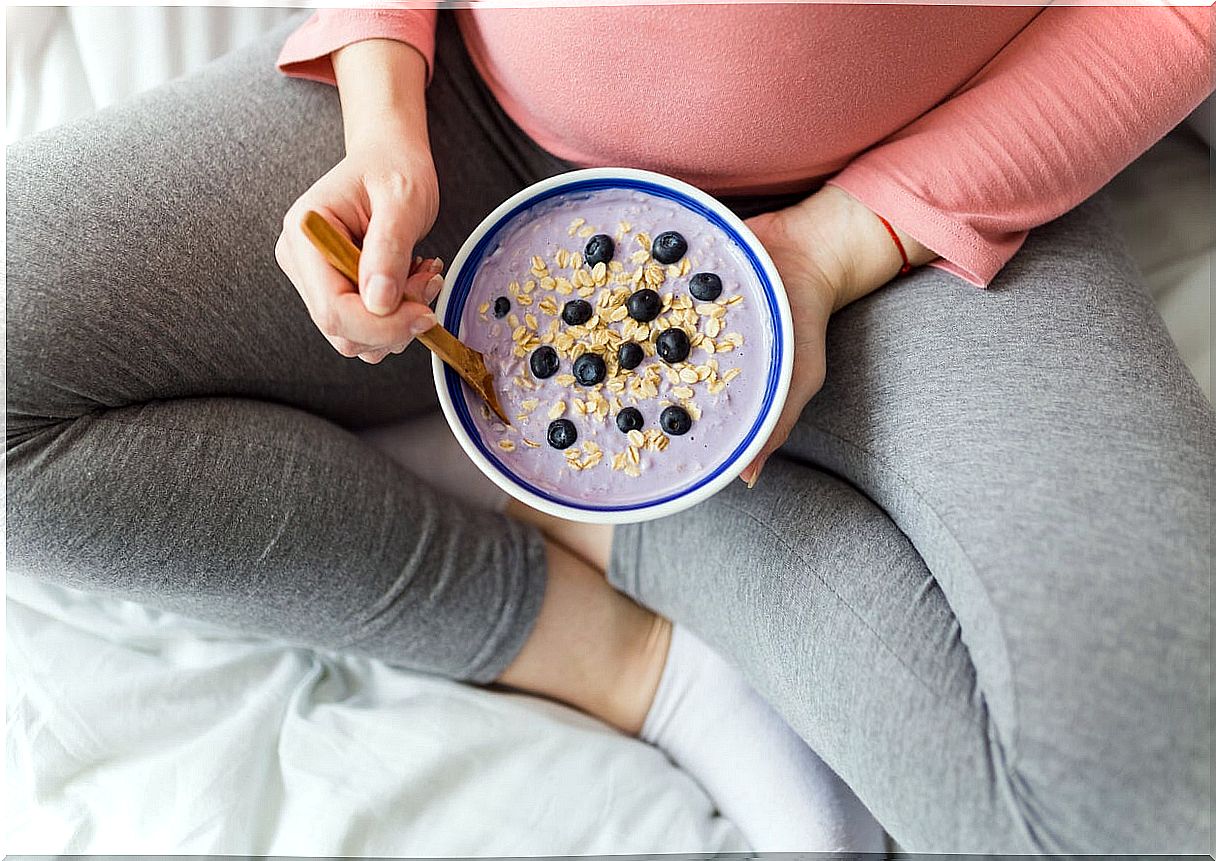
<point>976,581</point>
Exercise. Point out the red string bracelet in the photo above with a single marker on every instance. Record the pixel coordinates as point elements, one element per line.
<point>907,267</point>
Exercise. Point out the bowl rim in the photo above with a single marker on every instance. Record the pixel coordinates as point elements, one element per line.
<point>446,381</point>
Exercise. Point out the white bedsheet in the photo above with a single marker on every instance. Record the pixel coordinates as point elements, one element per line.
<point>135,731</point>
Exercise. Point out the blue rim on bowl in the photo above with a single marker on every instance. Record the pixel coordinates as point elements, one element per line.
<point>483,240</point>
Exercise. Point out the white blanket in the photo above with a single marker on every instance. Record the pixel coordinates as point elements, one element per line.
<point>140,732</point>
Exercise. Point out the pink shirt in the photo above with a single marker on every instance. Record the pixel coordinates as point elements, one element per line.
<point>964,126</point>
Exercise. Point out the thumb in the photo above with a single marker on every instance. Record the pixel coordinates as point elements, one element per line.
<point>785,424</point>
<point>388,247</point>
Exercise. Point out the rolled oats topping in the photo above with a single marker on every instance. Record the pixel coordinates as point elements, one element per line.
<point>631,365</point>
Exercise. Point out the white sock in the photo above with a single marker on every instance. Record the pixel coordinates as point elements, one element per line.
<point>760,773</point>
<point>426,447</point>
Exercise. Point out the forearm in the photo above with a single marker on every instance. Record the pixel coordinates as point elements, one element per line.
<point>382,85</point>
<point>1070,101</point>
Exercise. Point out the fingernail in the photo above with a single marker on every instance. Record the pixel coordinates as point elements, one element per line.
<point>424,323</point>
<point>751,474</point>
<point>433,287</point>
<point>437,264</point>
<point>381,295</point>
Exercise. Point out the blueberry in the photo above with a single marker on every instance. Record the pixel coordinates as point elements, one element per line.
<point>675,421</point>
<point>630,355</point>
<point>644,305</point>
<point>577,312</point>
<point>668,247</point>
<point>562,433</point>
<point>599,249</point>
<point>590,369</point>
<point>502,305</point>
<point>629,419</point>
<point>705,286</point>
<point>544,362</point>
<point>672,346</point>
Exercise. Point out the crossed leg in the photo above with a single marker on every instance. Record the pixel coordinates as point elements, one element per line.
<point>977,581</point>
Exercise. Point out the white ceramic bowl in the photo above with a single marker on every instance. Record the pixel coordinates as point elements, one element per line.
<point>455,397</point>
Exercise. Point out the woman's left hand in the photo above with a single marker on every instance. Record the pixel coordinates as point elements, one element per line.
<point>812,298</point>
<point>829,250</point>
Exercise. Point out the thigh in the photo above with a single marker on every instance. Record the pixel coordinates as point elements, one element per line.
<point>141,249</point>
<point>140,242</point>
<point>1048,455</point>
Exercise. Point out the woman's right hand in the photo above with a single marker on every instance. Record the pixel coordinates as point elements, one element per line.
<point>389,203</point>
<point>384,195</point>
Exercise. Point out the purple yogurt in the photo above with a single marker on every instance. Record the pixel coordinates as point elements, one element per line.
<point>720,384</point>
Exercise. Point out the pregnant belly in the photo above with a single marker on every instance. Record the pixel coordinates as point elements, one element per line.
<point>733,98</point>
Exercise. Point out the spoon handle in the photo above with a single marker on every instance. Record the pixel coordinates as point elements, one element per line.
<point>343,255</point>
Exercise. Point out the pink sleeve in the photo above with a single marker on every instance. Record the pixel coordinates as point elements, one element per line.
<point>306,52</point>
<point>1069,102</point>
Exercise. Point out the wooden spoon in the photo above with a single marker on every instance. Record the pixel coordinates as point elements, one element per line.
<point>343,255</point>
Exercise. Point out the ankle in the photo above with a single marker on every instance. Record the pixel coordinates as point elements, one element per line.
<point>640,671</point>
<point>591,542</point>
<point>591,646</point>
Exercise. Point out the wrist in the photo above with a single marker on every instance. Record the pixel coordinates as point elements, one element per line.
<point>853,247</point>
<point>382,87</point>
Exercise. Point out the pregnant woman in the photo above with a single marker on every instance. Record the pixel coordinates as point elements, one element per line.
<point>970,569</point>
